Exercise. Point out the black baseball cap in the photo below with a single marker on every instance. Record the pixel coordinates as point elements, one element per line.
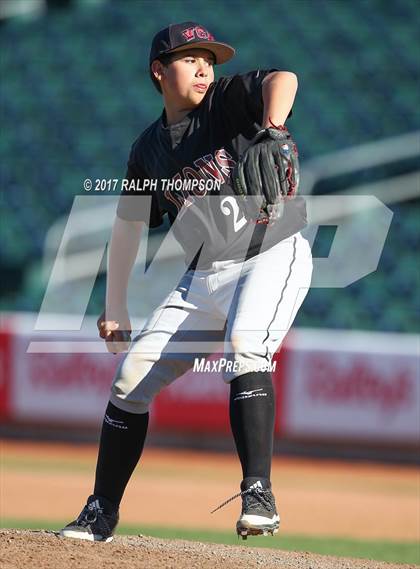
<point>187,35</point>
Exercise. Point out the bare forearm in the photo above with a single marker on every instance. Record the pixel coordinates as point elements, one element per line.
<point>122,254</point>
<point>278,92</point>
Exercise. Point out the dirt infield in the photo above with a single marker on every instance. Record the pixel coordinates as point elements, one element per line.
<point>50,482</point>
<point>36,550</point>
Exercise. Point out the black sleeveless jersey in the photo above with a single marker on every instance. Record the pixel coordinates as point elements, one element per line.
<point>185,170</point>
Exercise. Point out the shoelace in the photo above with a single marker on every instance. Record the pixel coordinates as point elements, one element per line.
<point>89,514</point>
<point>260,494</point>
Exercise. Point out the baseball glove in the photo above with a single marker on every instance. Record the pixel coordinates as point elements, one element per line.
<point>266,174</point>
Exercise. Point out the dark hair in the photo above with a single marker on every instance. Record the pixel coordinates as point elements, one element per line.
<point>165,60</point>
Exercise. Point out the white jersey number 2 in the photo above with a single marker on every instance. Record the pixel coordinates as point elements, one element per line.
<point>229,206</point>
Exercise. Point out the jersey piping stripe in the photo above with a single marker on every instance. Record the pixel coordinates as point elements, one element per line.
<point>281,295</point>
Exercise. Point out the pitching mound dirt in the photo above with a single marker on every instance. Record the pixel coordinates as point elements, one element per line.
<point>45,550</point>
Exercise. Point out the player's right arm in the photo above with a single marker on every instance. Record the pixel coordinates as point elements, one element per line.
<point>114,323</point>
<point>135,210</point>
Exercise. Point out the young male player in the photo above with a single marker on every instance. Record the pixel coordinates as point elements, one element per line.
<point>244,283</point>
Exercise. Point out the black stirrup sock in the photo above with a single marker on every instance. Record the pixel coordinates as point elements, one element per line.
<point>252,412</point>
<point>121,444</point>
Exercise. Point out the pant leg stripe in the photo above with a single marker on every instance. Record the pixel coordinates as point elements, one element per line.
<point>281,295</point>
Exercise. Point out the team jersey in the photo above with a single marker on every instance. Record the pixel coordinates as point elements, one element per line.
<point>185,170</point>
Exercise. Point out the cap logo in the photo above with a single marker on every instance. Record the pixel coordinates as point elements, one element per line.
<point>197,32</point>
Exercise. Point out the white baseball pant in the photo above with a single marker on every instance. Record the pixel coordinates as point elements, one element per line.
<point>245,306</point>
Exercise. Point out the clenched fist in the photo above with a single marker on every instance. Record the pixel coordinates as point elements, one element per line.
<point>115,329</point>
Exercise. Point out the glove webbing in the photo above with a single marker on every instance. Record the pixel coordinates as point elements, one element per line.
<point>289,170</point>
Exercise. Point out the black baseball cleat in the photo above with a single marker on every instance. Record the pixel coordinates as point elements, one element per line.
<point>259,514</point>
<point>96,522</point>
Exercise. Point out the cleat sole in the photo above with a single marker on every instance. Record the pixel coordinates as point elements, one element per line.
<point>244,531</point>
<point>77,534</point>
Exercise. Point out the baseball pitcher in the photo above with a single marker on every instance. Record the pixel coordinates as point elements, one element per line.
<point>222,166</point>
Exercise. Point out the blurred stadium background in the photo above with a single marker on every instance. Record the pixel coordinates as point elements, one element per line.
<point>75,93</point>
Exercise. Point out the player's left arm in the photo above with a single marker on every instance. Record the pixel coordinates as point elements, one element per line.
<point>278,93</point>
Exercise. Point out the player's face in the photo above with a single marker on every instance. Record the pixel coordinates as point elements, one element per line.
<point>186,79</point>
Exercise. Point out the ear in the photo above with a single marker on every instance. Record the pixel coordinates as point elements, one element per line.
<point>157,69</point>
